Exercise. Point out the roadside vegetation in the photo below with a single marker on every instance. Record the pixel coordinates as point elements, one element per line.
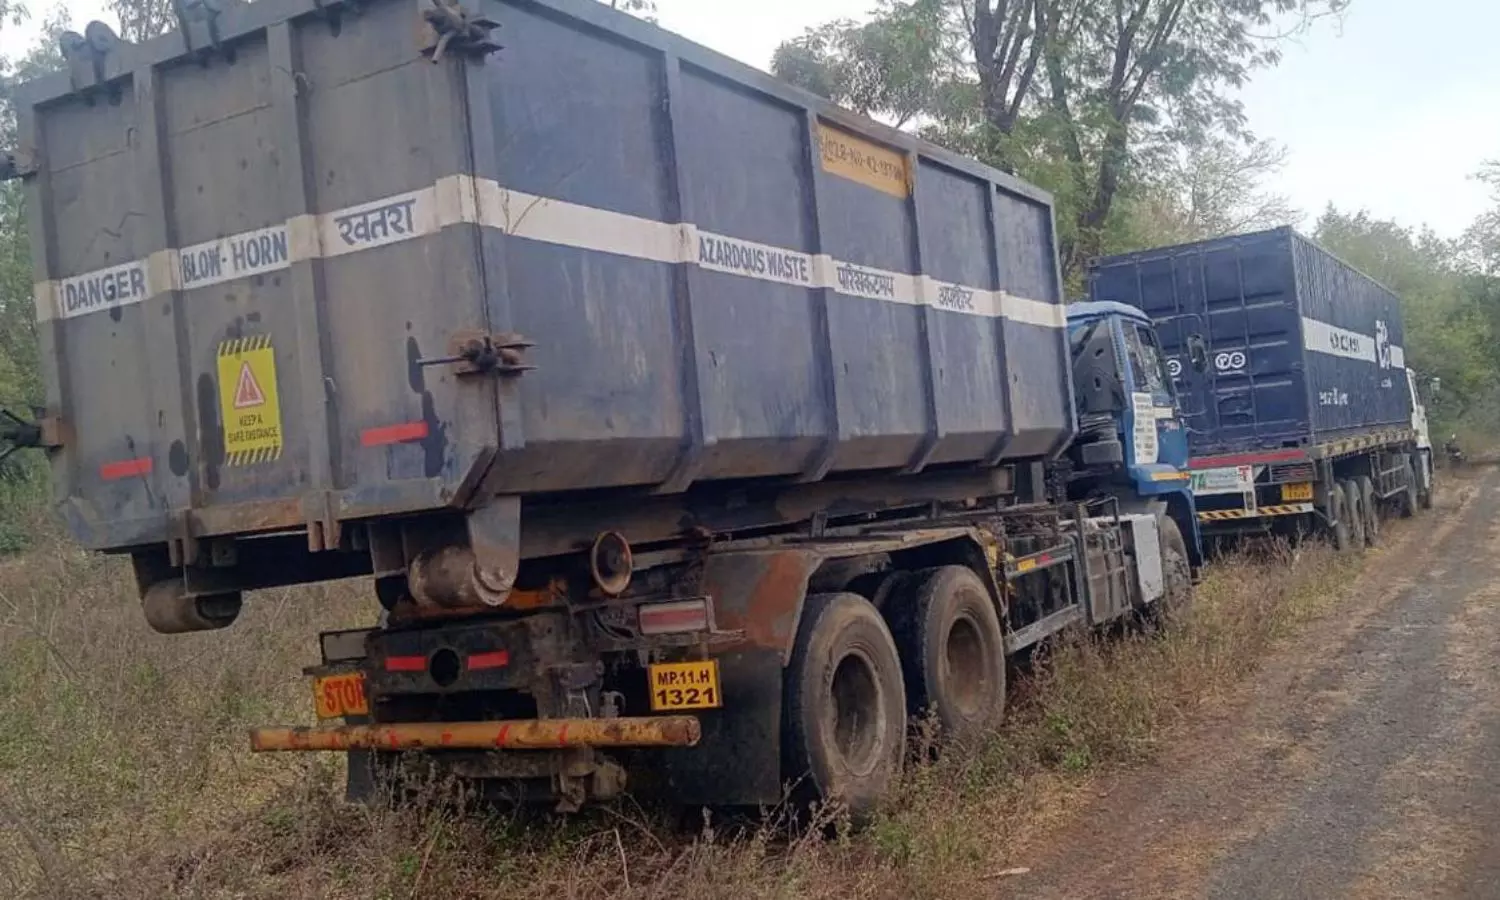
<point>124,769</point>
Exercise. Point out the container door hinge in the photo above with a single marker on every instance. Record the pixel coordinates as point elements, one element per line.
<point>478,353</point>
<point>333,11</point>
<point>451,27</point>
<point>206,13</point>
<point>87,56</point>
<point>21,162</point>
<point>183,547</point>
<point>324,530</point>
<point>17,433</point>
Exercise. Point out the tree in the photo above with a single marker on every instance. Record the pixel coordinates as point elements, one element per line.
<point>895,67</point>
<point>141,20</point>
<point>1481,242</point>
<point>1205,191</point>
<point>1080,96</point>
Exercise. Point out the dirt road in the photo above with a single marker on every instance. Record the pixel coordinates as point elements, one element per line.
<point>1363,761</point>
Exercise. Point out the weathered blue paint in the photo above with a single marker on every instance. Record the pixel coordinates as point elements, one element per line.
<point>1302,347</point>
<point>651,374</point>
<point>1163,476</point>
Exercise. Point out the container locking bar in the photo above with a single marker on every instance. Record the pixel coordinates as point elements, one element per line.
<point>524,734</point>
<point>18,433</point>
<point>477,353</point>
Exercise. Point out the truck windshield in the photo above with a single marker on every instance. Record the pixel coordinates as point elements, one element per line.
<point>1146,360</point>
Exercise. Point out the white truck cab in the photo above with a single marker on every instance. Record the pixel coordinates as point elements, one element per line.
<point>1424,440</point>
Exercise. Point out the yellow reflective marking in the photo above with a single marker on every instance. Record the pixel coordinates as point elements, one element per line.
<point>249,403</point>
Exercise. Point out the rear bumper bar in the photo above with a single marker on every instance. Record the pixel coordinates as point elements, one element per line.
<point>1282,509</point>
<point>527,734</point>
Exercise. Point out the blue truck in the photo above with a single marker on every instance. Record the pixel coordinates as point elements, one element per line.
<point>1302,415</point>
<point>692,432</point>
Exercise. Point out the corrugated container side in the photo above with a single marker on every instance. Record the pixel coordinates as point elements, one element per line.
<point>1355,341</point>
<point>1302,348</point>
<point>723,278</point>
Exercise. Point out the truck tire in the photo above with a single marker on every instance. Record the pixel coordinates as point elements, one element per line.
<point>1371,510</point>
<point>1177,574</point>
<point>1343,538</point>
<point>1408,501</point>
<point>952,650</point>
<point>844,709</point>
<point>1354,513</point>
<point>1424,493</point>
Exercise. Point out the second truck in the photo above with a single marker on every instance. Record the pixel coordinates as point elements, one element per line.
<point>1302,415</point>
<point>695,435</point>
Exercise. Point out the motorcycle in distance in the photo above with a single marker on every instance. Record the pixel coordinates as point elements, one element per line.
<point>1455,453</point>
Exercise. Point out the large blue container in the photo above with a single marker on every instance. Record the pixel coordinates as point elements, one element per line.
<point>1303,348</point>
<point>716,277</point>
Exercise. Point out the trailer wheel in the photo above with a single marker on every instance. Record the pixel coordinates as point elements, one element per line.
<point>1354,512</point>
<point>1177,575</point>
<point>1343,538</point>
<point>845,707</point>
<point>1408,501</point>
<point>1371,510</point>
<point>952,650</point>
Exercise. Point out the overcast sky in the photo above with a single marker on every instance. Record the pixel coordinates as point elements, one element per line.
<point>1390,110</point>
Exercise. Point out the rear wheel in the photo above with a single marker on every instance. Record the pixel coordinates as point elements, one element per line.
<point>1354,512</point>
<point>1424,494</point>
<point>1338,510</point>
<point>952,650</point>
<point>1407,501</point>
<point>845,706</point>
<point>1176,570</point>
<point>1371,510</point>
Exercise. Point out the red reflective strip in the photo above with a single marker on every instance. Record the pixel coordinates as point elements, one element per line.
<point>406,664</point>
<point>495,659</point>
<point>125,468</point>
<point>1246,459</point>
<point>1043,559</point>
<point>393,434</point>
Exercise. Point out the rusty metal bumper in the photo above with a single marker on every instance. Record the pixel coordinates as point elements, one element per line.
<point>527,734</point>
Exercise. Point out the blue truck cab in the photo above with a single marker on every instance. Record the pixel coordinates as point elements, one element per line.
<point>1131,444</point>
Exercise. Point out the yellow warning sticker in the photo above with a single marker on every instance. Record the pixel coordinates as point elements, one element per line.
<point>248,401</point>
<point>860,160</point>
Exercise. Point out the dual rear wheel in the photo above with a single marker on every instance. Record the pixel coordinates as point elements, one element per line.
<point>854,679</point>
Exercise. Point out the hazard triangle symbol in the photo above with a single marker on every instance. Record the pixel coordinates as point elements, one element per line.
<point>247,392</point>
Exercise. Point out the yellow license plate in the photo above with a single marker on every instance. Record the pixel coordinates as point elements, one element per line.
<point>1301,491</point>
<point>335,696</point>
<point>689,685</point>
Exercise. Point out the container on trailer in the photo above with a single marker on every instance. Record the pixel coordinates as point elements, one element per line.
<point>1302,348</point>
<point>299,267</point>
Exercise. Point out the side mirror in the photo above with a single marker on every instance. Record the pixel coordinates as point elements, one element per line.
<point>1434,385</point>
<point>1197,349</point>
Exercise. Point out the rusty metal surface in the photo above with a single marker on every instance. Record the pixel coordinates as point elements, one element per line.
<point>532,734</point>
<point>760,594</point>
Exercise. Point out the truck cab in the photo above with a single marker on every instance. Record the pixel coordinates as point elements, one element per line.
<point>1422,459</point>
<point>1131,444</point>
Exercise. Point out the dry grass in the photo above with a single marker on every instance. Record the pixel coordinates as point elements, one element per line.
<point>124,771</point>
